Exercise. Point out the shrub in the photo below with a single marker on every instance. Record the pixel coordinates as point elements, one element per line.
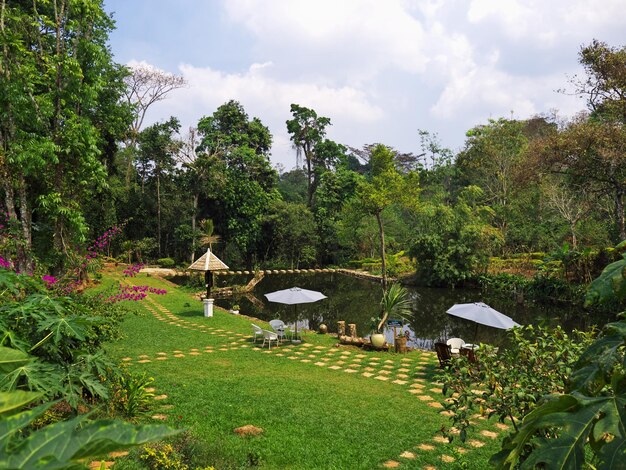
<point>166,262</point>
<point>130,395</point>
<point>509,383</point>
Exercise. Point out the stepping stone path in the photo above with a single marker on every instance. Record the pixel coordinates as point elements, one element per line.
<point>400,372</point>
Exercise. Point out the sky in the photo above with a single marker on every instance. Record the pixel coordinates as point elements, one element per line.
<point>379,69</point>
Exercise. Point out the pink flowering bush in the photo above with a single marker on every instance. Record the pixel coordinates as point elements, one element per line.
<point>134,293</point>
<point>133,270</point>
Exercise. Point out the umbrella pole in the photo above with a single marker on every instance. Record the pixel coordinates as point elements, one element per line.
<point>475,333</point>
<point>295,311</point>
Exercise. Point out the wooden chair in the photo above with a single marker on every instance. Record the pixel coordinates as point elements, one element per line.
<point>470,353</point>
<point>443,354</point>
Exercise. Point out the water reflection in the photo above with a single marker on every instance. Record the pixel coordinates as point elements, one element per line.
<point>357,301</point>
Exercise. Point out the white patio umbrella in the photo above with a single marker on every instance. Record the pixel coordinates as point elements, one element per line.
<point>479,312</point>
<point>294,296</point>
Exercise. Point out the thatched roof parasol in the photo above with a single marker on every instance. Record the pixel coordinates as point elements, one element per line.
<point>208,262</point>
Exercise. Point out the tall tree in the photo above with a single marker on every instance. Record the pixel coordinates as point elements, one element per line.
<point>158,147</point>
<point>145,86</point>
<point>307,131</point>
<point>242,146</point>
<point>57,75</point>
<point>384,187</point>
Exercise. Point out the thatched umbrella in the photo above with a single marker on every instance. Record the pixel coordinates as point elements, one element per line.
<point>208,263</point>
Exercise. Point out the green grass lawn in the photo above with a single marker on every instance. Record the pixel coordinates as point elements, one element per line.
<point>320,406</point>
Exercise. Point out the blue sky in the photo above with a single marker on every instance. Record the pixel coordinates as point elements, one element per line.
<point>380,70</point>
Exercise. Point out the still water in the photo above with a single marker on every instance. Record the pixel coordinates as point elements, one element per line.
<point>357,301</point>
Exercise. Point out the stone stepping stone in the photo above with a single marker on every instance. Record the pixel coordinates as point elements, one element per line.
<point>489,434</point>
<point>475,443</point>
<point>367,374</point>
<point>387,367</point>
<point>334,367</point>
<point>194,349</point>
<point>399,382</point>
<point>502,426</point>
<point>354,365</point>
<point>144,356</point>
<point>369,369</point>
<point>177,352</point>
<point>208,351</point>
<point>389,361</point>
<point>340,363</point>
<point>414,391</point>
<point>194,353</point>
<point>461,450</point>
<point>435,404</point>
<point>425,397</point>
<point>312,355</point>
<point>325,359</point>
<point>447,458</point>
<point>407,455</point>
<point>161,358</point>
<point>404,369</point>
<point>279,354</point>
<point>127,359</point>
<point>150,389</point>
<point>160,397</point>
<point>361,355</point>
<point>320,364</point>
<point>381,377</point>
<point>479,416</point>
<point>244,346</point>
<point>391,464</point>
<point>179,355</point>
<point>384,372</point>
<point>292,357</point>
<point>425,447</point>
<point>299,353</point>
<point>225,349</point>
<point>447,413</point>
<point>374,358</point>
<point>416,385</point>
<point>319,348</point>
<point>161,354</point>
<point>350,371</point>
<point>159,417</point>
<point>402,376</point>
<point>143,361</point>
<point>264,352</point>
<point>436,390</point>
<point>305,360</point>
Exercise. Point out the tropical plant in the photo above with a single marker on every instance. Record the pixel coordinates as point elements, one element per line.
<point>510,381</point>
<point>63,333</point>
<point>64,444</point>
<point>394,302</point>
<point>585,425</point>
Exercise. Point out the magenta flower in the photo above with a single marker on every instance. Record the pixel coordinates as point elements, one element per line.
<point>49,280</point>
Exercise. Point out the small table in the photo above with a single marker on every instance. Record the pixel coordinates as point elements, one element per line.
<point>470,346</point>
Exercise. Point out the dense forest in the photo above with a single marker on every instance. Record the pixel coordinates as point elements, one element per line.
<point>78,163</point>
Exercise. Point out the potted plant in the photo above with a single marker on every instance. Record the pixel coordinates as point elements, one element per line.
<point>235,309</point>
<point>394,302</point>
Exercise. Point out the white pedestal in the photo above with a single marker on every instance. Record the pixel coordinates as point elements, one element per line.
<point>208,307</point>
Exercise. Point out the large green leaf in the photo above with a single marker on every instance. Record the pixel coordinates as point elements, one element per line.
<point>13,401</point>
<point>570,421</point>
<point>56,445</point>
<point>11,358</point>
<point>609,285</point>
<point>9,425</point>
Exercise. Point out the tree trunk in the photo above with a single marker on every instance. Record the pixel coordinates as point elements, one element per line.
<point>159,213</point>
<point>26,259</point>
<point>309,174</point>
<point>381,232</point>
<point>619,213</point>
<point>193,227</point>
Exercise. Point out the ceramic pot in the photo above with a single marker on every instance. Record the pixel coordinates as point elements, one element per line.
<point>377,340</point>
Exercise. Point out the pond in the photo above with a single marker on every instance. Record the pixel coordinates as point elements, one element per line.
<point>357,301</point>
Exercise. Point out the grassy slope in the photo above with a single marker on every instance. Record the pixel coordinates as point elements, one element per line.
<point>313,417</point>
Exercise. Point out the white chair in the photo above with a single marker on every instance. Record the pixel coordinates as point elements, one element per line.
<point>455,345</point>
<point>257,330</point>
<point>269,336</point>
<point>279,327</point>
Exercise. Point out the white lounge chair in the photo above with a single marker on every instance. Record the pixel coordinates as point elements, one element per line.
<point>257,330</point>
<point>455,345</point>
<point>280,328</point>
<point>269,336</point>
